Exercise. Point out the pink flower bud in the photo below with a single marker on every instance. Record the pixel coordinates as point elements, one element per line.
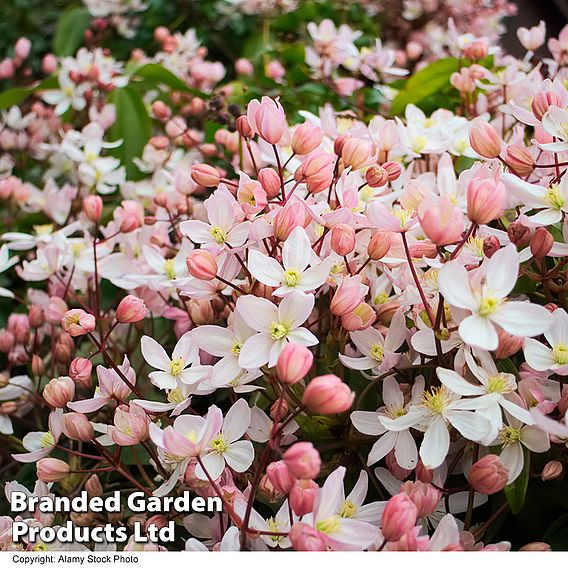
<point>56,309</point>
<point>58,392</point>
<point>535,547</point>
<point>488,475</point>
<point>49,64</point>
<point>379,245</point>
<point>305,538</point>
<point>520,160</point>
<point>243,127</point>
<point>508,344</point>
<point>36,317</point>
<point>399,517</point>
<point>360,318</point>
<point>19,326</point>
<point>424,496</point>
<point>279,409</point>
<point>76,426</point>
<point>541,242</point>
<point>22,48</point>
<point>328,394</point>
<point>7,341</point>
<point>440,220</point>
<point>78,322</point>
<point>267,119</point>
<point>280,477</point>
<point>491,245</point>
<point>303,460</point>
<point>484,139</point>
<point>131,425</point>
<point>376,176</point>
<point>356,153</point>
<point>542,102</point>
<point>294,363</point>
<point>316,171</point>
<point>519,234</point>
<point>533,38</point>
<point>485,200</point>
<point>393,169</point>
<point>131,310</point>
<point>267,490</point>
<point>423,473</point>
<point>7,68</point>
<point>476,50</point>
<point>251,196</point>
<point>303,496</point>
<point>292,215</point>
<point>94,487</point>
<point>201,311</point>
<point>244,67</point>
<point>161,34</point>
<point>80,371</point>
<point>307,137</point>
<point>205,175</point>
<point>343,239</point>
<point>158,521</point>
<point>270,182</point>
<point>275,70</point>
<point>552,470</point>
<point>50,470</point>
<point>38,366</point>
<point>202,265</point>
<point>348,296</point>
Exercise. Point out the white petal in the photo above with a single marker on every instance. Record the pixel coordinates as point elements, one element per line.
<point>154,354</point>
<point>479,332</point>
<point>435,444</point>
<point>239,455</point>
<point>454,285</point>
<point>259,313</point>
<point>256,351</point>
<point>265,269</point>
<point>523,319</point>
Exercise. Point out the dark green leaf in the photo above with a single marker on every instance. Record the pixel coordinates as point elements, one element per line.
<point>516,491</point>
<point>70,29</point>
<point>160,75</point>
<point>557,534</point>
<point>133,126</point>
<point>18,95</point>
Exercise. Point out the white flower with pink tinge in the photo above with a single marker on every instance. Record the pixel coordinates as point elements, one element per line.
<point>276,326</point>
<point>295,276</point>
<point>484,293</point>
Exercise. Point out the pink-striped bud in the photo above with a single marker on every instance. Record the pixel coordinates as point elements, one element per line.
<point>552,470</point>
<point>328,394</point>
<point>360,318</point>
<point>51,470</point>
<point>244,67</point>
<point>7,341</point>
<point>78,322</point>
<point>131,310</point>
<point>275,70</point>
<point>399,517</point>
<point>280,477</point>
<point>519,234</point>
<point>343,239</point>
<point>348,296</point>
<point>22,48</point>
<point>520,160</point>
<point>307,137</point>
<point>376,176</point>
<point>484,139</point>
<point>316,171</point>
<point>543,101</point>
<point>161,111</point>
<point>294,363</point>
<point>205,175</point>
<point>202,265</point>
<point>535,547</point>
<point>307,539</point>
<point>508,344</point>
<point>541,242</point>
<point>424,496</point>
<point>393,169</point>
<point>356,153</point>
<point>267,119</point>
<point>485,200</point>
<point>36,317</point>
<point>131,425</point>
<point>49,64</point>
<point>476,50</point>
<point>80,371</point>
<point>76,426</point>
<point>379,245</point>
<point>488,475</point>
<point>303,496</point>
<point>56,309</point>
<point>7,68</point>
<point>58,392</point>
<point>303,460</point>
<point>441,221</point>
<point>292,215</point>
<point>270,181</point>
<point>243,127</point>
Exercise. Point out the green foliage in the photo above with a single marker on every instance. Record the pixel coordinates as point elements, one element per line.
<point>516,491</point>
<point>133,126</point>
<point>18,95</point>
<point>70,29</point>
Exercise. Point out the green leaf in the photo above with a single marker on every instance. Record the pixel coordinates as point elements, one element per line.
<point>557,534</point>
<point>133,126</point>
<point>158,74</point>
<point>516,491</point>
<point>70,29</point>
<point>427,82</point>
<point>18,95</point>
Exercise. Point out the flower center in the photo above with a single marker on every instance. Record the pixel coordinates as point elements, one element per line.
<point>419,144</point>
<point>488,306</point>
<point>348,509</point>
<point>291,277</point>
<point>510,435</point>
<point>219,235</point>
<point>554,197</point>
<point>219,445</point>
<point>176,366</point>
<point>395,411</point>
<point>328,526</point>
<point>501,384</point>
<point>236,348</point>
<point>169,268</point>
<point>191,436</point>
<point>377,352</point>
<point>381,298</point>
<point>278,330</point>
<point>176,396</point>
<point>47,440</point>
<point>560,354</point>
<point>402,215</point>
<point>274,526</point>
<point>437,399</point>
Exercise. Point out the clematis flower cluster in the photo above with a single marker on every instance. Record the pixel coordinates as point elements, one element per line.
<point>348,323</point>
